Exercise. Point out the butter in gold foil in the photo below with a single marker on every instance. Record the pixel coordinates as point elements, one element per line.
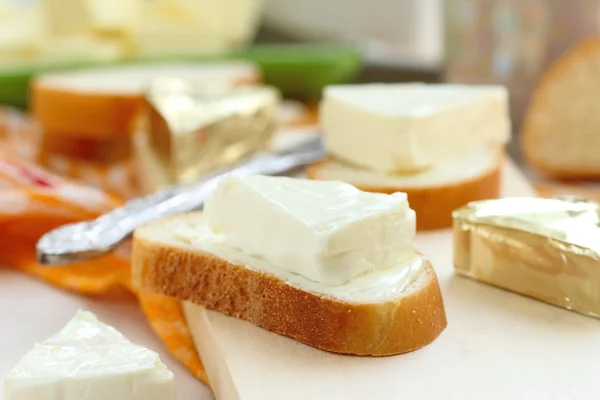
<point>186,130</point>
<point>547,249</point>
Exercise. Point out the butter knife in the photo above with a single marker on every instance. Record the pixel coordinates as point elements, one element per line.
<point>91,239</point>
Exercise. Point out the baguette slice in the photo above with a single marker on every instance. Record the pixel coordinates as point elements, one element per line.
<point>561,130</point>
<point>434,193</point>
<point>165,264</point>
<point>102,103</point>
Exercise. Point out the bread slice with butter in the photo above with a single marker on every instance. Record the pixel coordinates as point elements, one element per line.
<point>433,193</point>
<point>320,262</point>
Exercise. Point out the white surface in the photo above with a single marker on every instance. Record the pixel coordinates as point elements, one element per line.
<point>411,126</point>
<point>326,231</point>
<point>31,311</point>
<point>498,345</point>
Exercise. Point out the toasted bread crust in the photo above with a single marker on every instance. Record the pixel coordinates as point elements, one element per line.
<point>434,205</point>
<point>391,327</point>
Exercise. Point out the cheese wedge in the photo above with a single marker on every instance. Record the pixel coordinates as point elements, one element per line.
<point>89,360</point>
<point>104,102</point>
<point>433,193</point>
<point>331,231</point>
<point>410,127</point>
<point>547,249</point>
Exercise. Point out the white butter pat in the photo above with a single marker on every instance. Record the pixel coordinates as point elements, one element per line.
<point>89,360</point>
<point>326,231</point>
<point>410,127</point>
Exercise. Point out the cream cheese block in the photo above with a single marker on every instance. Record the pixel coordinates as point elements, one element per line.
<point>547,249</point>
<point>89,360</point>
<point>327,232</point>
<point>410,127</point>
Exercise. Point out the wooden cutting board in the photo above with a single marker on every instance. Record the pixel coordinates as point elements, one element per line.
<point>498,345</point>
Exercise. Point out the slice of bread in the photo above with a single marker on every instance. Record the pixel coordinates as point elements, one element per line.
<point>164,263</point>
<point>103,103</point>
<point>561,130</point>
<point>433,193</point>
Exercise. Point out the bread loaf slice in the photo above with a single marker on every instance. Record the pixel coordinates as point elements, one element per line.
<point>561,130</point>
<point>102,103</point>
<point>433,193</point>
<point>164,263</point>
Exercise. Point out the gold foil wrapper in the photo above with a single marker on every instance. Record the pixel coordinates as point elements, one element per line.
<point>187,130</point>
<point>547,249</point>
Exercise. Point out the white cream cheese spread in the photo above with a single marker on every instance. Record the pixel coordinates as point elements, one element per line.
<point>410,127</point>
<point>89,360</point>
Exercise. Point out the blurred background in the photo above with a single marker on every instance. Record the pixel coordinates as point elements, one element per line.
<point>474,41</point>
<point>299,46</point>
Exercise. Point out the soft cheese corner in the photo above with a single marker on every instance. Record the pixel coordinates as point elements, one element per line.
<point>89,360</point>
<point>334,232</point>
<point>442,144</point>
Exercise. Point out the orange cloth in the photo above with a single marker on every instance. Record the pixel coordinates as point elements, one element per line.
<point>33,201</point>
<point>22,138</point>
